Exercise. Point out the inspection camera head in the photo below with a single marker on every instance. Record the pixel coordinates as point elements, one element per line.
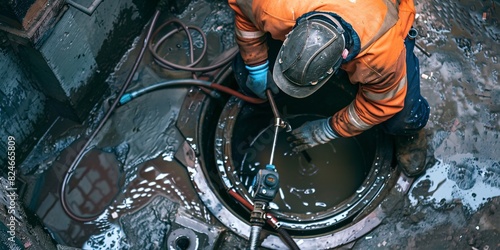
<point>266,184</point>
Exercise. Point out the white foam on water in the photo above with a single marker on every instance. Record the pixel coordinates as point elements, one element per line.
<point>112,238</point>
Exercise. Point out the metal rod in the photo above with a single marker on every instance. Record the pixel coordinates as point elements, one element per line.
<point>306,156</point>
<point>272,103</point>
<point>277,123</point>
<point>274,143</point>
<point>422,49</point>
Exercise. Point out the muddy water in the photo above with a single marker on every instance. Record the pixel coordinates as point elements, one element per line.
<point>312,181</point>
<point>94,184</point>
<point>460,80</point>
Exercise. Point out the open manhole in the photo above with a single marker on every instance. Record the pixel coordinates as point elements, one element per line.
<point>333,188</point>
<point>321,188</point>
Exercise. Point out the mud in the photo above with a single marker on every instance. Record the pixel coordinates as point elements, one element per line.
<point>454,204</point>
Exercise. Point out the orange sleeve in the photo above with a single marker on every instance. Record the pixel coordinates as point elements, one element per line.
<point>251,41</point>
<point>380,71</point>
<point>381,75</point>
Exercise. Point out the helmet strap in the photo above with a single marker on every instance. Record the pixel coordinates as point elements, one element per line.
<point>333,20</point>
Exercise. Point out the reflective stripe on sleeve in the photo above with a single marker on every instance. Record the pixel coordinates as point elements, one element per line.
<point>355,120</point>
<point>387,95</point>
<point>249,34</point>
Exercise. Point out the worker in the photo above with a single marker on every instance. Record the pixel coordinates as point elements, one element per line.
<point>367,39</point>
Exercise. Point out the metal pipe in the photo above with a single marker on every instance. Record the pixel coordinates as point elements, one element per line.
<point>278,122</point>
<point>423,50</point>
<point>413,34</point>
<point>254,237</point>
<point>272,103</point>
<point>275,138</point>
<point>87,10</point>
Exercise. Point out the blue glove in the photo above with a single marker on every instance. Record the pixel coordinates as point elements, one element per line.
<point>311,134</point>
<point>257,80</point>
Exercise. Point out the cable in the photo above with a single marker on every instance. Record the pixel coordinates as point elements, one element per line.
<point>287,238</point>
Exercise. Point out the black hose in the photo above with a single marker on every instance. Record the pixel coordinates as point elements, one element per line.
<point>164,84</point>
<point>187,82</point>
<point>73,165</point>
<point>287,238</point>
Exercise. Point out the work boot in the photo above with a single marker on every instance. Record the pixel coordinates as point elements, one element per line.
<point>411,153</point>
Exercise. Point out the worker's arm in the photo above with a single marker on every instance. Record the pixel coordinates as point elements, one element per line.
<point>378,99</point>
<point>381,75</point>
<point>253,49</point>
<point>311,134</point>
<point>251,41</point>
<point>380,71</point>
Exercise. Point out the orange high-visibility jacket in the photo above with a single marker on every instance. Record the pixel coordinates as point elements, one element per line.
<point>379,68</point>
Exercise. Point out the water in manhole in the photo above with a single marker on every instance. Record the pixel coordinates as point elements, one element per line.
<point>313,180</point>
<point>324,188</point>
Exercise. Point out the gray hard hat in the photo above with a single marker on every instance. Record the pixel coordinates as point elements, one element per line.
<point>310,55</point>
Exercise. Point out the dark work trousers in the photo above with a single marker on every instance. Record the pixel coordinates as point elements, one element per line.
<point>415,114</point>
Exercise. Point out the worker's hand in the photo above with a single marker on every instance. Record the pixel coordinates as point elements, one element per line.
<point>259,79</point>
<point>311,134</point>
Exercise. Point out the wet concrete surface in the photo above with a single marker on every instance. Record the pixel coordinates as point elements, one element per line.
<point>453,206</point>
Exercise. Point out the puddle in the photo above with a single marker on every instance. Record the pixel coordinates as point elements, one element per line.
<point>93,185</point>
<point>460,80</point>
<point>461,178</point>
